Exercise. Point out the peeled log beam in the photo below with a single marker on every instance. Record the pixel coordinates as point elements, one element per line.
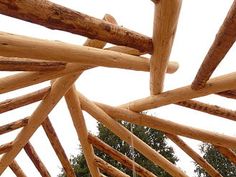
<point>36,160</point>
<point>221,45</point>
<point>54,16</point>
<point>24,100</point>
<point>55,142</point>
<point>124,160</point>
<point>215,85</point>
<point>228,94</point>
<point>228,153</point>
<point>5,147</point>
<point>13,126</point>
<point>16,169</point>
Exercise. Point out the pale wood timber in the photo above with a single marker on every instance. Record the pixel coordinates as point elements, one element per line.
<point>100,145</point>
<point>36,160</point>
<point>55,142</point>
<point>165,24</point>
<point>22,64</point>
<point>79,123</point>
<point>23,100</point>
<point>224,40</point>
<point>195,156</point>
<point>58,89</point>
<point>54,16</point>
<point>13,125</point>
<point>169,126</point>
<point>215,85</point>
<point>228,153</point>
<point>208,108</point>
<point>128,137</point>
<point>228,94</point>
<point>16,169</point>
<point>5,147</point>
<point>109,169</point>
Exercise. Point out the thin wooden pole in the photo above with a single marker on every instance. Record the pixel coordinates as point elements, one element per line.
<point>224,40</point>
<point>16,169</point>
<point>215,85</point>
<point>5,147</point>
<point>228,94</point>
<point>58,89</point>
<point>36,160</point>
<point>228,153</point>
<point>165,24</point>
<point>55,142</point>
<point>13,126</point>
<point>169,126</point>
<point>128,137</point>
<point>100,145</point>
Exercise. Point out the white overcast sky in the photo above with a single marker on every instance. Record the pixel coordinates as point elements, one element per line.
<point>198,24</point>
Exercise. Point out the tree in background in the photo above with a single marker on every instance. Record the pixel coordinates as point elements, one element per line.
<point>154,138</point>
<point>217,160</point>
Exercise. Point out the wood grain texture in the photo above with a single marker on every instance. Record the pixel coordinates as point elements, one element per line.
<point>5,147</point>
<point>16,169</point>
<point>228,153</point>
<point>13,126</point>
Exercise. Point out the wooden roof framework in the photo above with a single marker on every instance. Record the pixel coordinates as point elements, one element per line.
<point>64,63</point>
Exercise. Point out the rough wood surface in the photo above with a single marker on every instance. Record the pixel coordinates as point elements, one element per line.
<point>228,153</point>
<point>55,142</point>
<point>23,100</point>
<point>22,64</point>
<point>5,147</point>
<point>228,94</point>
<point>224,40</point>
<point>165,24</point>
<point>36,160</point>
<point>100,145</point>
<point>13,125</point>
<point>16,169</point>
<point>54,16</point>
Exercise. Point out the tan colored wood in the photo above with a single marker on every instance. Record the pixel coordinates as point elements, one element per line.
<point>54,16</point>
<point>36,160</point>
<point>100,145</point>
<point>210,109</point>
<point>22,64</point>
<point>13,126</point>
<point>16,169</point>
<point>23,100</point>
<point>109,169</point>
<point>165,24</point>
<point>80,126</point>
<point>5,147</point>
<point>128,137</point>
<point>58,89</point>
<point>215,85</point>
<point>195,156</point>
<point>169,126</point>
<point>224,40</point>
<point>56,144</point>
<point>228,153</point>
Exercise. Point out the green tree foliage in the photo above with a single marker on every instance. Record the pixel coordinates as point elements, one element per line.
<point>154,138</point>
<point>217,160</point>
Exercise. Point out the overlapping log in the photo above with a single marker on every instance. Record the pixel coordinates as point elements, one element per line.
<point>16,169</point>
<point>5,147</point>
<point>100,145</point>
<point>36,160</point>
<point>228,94</point>
<point>165,24</point>
<point>13,125</point>
<point>224,40</point>
<point>228,153</point>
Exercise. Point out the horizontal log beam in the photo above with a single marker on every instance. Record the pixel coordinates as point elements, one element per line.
<point>13,126</point>
<point>228,94</point>
<point>224,40</point>
<point>57,17</point>
<point>5,147</point>
<point>16,169</point>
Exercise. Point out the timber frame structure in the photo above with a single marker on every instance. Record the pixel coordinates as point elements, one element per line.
<point>64,63</point>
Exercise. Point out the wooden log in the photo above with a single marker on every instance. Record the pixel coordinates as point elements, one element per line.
<point>215,85</point>
<point>195,156</point>
<point>13,126</point>
<point>100,145</point>
<point>165,24</point>
<point>24,100</point>
<point>128,137</point>
<point>228,153</point>
<point>210,109</point>
<point>54,16</point>
<point>15,45</point>
<point>22,64</point>
<point>109,169</point>
<point>58,89</point>
<point>228,94</point>
<point>224,40</point>
<point>36,160</point>
<point>5,147</point>
<point>56,144</point>
<point>169,126</point>
<point>16,169</point>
